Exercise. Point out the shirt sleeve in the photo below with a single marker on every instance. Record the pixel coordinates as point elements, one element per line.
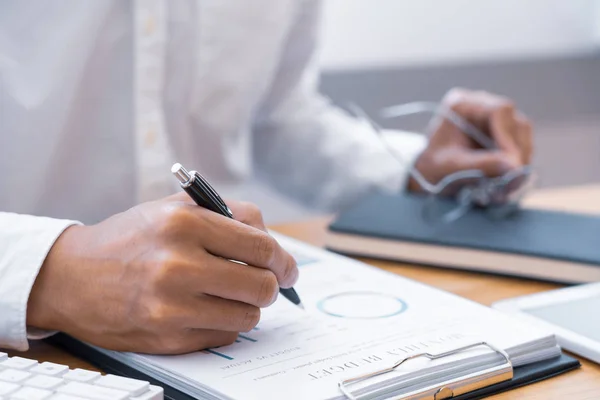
<point>24,244</point>
<point>310,149</point>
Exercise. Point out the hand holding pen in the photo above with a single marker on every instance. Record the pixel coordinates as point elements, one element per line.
<point>205,196</point>
<point>164,273</point>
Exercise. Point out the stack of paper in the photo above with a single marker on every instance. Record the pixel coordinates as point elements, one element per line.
<point>358,320</point>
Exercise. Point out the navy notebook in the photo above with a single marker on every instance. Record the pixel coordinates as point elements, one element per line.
<point>546,245</point>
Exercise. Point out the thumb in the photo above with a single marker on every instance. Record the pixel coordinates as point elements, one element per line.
<point>491,163</point>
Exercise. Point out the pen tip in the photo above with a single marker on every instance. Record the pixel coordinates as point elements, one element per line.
<point>301,306</point>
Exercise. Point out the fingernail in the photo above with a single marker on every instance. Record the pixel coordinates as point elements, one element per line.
<point>275,297</point>
<point>295,275</point>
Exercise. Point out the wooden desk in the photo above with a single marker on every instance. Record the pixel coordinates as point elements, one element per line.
<point>581,384</point>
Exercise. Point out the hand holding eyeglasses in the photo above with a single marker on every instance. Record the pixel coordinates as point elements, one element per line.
<point>478,154</point>
<point>450,150</point>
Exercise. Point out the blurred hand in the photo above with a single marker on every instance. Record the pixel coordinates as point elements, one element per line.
<point>156,278</point>
<point>450,150</point>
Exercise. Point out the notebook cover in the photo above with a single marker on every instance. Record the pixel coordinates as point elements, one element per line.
<point>537,233</point>
<point>522,375</point>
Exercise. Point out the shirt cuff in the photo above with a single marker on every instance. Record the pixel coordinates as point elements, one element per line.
<point>24,244</point>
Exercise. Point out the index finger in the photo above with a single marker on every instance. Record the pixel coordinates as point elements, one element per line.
<point>492,113</point>
<point>245,212</point>
<point>234,240</point>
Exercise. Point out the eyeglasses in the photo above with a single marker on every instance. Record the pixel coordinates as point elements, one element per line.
<point>458,193</point>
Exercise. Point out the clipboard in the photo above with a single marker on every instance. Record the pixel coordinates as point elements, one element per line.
<point>497,380</point>
<point>448,389</point>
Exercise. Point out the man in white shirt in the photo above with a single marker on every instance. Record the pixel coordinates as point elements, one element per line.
<point>99,98</point>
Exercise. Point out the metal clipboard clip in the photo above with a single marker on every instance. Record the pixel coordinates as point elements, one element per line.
<point>446,390</point>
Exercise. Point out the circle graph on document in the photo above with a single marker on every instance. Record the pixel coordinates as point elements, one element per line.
<point>362,305</point>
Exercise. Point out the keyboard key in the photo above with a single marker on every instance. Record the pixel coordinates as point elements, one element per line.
<point>28,393</point>
<point>81,375</point>
<point>92,392</point>
<point>13,375</point>
<point>133,386</point>
<point>61,396</point>
<point>25,379</point>
<point>44,382</point>
<point>155,393</point>
<point>18,363</point>
<point>7,388</point>
<point>50,369</point>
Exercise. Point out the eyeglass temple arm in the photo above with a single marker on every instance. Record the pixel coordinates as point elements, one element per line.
<point>414,172</point>
<point>419,107</point>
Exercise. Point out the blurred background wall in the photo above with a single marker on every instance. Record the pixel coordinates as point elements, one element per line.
<point>545,54</point>
<point>397,33</point>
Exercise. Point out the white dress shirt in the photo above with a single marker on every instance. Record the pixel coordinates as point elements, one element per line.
<point>99,98</point>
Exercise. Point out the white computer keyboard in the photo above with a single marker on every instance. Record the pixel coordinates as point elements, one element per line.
<point>25,379</point>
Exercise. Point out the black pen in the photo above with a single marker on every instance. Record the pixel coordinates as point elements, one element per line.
<point>198,188</point>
